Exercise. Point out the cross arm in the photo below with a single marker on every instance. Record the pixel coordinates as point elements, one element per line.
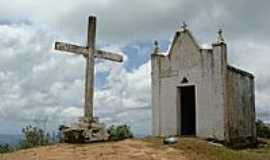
<point>109,56</point>
<point>61,46</point>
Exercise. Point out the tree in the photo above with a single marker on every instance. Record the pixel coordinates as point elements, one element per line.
<point>263,130</point>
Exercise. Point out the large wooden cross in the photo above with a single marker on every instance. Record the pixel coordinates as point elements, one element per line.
<point>90,53</point>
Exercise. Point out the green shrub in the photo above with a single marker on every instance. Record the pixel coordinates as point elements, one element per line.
<point>34,136</point>
<point>120,132</point>
<point>4,148</point>
<point>263,130</point>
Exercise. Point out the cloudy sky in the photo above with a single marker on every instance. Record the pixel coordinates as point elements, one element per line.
<point>43,87</point>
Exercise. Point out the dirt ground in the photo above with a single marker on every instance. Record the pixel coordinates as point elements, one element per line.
<point>151,148</point>
<point>122,150</point>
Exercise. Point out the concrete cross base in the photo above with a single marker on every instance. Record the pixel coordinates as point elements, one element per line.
<point>85,131</point>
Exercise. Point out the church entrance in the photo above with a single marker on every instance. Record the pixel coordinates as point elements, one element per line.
<point>187,109</point>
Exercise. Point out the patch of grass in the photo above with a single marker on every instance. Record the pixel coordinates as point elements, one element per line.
<point>198,149</point>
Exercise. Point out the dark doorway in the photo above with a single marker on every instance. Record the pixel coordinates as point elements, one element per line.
<point>187,109</point>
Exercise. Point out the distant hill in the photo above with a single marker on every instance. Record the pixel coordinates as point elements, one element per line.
<point>134,149</point>
<point>10,139</point>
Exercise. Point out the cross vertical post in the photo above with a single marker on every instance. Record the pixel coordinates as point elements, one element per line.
<point>90,68</point>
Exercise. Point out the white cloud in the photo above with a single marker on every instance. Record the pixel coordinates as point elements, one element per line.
<point>42,87</point>
<point>126,98</point>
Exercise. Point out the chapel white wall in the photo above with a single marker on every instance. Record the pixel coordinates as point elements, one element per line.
<point>202,68</point>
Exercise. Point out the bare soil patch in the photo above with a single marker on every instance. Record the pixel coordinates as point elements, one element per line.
<point>122,150</point>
